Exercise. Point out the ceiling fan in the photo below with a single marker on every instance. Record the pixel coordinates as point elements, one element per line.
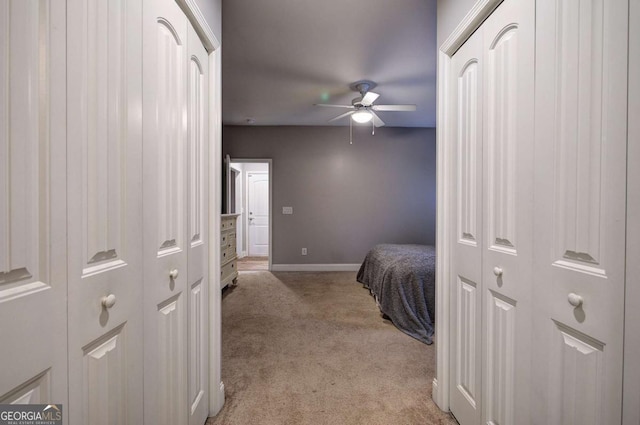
<point>363,109</point>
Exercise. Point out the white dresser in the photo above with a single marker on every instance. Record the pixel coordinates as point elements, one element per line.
<point>228,257</point>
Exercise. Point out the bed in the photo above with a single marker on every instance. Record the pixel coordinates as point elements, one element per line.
<point>402,280</point>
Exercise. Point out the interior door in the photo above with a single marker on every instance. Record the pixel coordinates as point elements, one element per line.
<point>466,256</point>
<point>198,240</point>
<point>258,202</point>
<point>166,244</point>
<point>33,211</point>
<point>104,68</point>
<point>580,186</point>
<point>507,257</point>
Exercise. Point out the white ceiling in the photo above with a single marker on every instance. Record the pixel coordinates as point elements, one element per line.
<point>280,56</point>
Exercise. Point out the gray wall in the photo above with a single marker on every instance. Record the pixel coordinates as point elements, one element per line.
<point>212,11</point>
<point>450,13</point>
<point>345,198</point>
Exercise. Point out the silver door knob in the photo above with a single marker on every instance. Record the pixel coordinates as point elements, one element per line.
<point>173,274</point>
<point>497,271</point>
<point>108,301</point>
<point>575,300</point>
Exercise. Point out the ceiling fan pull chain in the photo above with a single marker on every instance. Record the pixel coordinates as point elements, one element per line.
<point>350,132</point>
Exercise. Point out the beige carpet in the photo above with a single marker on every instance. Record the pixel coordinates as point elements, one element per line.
<point>312,348</point>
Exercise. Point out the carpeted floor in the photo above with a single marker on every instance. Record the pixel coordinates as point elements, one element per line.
<point>312,348</point>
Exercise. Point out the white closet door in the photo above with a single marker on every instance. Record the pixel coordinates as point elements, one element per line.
<point>198,240</point>
<point>508,110</point>
<point>105,211</point>
<point>466,256</point>
<point>33,282</point>
<point>580,186</point>
<point>165,176</point>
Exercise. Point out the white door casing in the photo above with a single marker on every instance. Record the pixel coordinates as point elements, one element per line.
<point>258,213</point>
<point>580,188</point>
<point>166,291</point>
<point>104,70</point>
<point>33,257</point>
<point>198,241</point>
<point>507,257</point>
<point>466,231</point>
<point>631,391</point>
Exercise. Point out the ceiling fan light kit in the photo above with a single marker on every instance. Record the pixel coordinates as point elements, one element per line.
<point>361,117</point>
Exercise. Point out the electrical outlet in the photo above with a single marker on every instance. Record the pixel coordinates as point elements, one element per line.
<point>287,210</point>
<point>304,251</point>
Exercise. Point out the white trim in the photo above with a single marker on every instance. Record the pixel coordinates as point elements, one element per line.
<point>315,267</point>
<point>193,12</point>
<point>271,209</point>
<point>478,13</point>
<point>216,393</point>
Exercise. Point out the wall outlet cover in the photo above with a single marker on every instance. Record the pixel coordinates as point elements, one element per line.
<point>287,210</point>
<point>304,251</point>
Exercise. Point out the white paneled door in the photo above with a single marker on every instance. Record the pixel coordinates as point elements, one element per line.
<point>493,108</point>
<point>175,214</point>
<point>507,257</point>
<point>580,190</point>
<point>105,211</point>
<point>258,205</point>
<point>33,210</point>
<point>198,236</point>
<point>466,257</point>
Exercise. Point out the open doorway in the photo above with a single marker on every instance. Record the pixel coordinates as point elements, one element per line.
<point>250,197</point>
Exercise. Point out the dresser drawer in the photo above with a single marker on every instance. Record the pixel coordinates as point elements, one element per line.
<point>227,253</point>
<point>227,223</point>
<point>227,270</point>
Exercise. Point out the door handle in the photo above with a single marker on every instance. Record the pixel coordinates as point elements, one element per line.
<point>173,274</point>
<point>108,301</point>
<point>497,271</point>
<point>575,300</point>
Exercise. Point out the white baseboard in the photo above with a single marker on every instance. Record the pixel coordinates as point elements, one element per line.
<point>315,267</point>
<point>217,400</point>
<point>434,389</point>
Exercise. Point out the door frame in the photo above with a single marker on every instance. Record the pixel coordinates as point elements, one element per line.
<point>471,22</point>
<point>214,50</point>
<point>269,161</point>
<point>631,378</point>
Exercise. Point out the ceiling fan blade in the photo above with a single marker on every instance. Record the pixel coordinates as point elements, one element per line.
<point>369,98</point>
<point>401,108</point>
<point>346,114</point>
<point>326,105</point>
<point>376,119</point>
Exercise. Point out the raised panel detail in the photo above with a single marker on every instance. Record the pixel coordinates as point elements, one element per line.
<point>577,375</point>
<point>579,132</point>
<point>502,107</point>
<point>171,374</point>
<point>105,135</point>
<point>197,348</point>
<point>24,146</point>
<point>466,335</point>
<point>196,141</point>
<point>105,385</point>
<point>35,391</point>
<point>171,140</point>
<point>501,316</point>
<point>468,141</point>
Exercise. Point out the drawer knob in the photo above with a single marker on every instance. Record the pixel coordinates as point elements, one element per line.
<point>575,300</point>
<point>497,271</point>
<point>108,301</point>
<point>173,274</point>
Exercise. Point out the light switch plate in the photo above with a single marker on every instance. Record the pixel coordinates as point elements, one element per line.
<point>287,210</point>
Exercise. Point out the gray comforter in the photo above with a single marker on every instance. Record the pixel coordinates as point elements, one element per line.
<point>402,279</point>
